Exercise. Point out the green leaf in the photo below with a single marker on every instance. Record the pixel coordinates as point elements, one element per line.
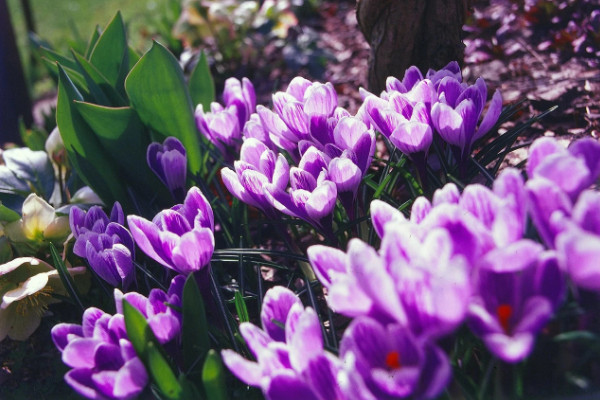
<point>75,76</point>
<point>7,215</point>
<point>108,95</point>
<point>213,377</point>
<point>158,93</point>
<point>56,57</point>
<point>240,306</point>
<point>93,40</point>
<point>195,338</point>
<point>148,349</point>
<point>110,53</point>
<point>202,87</point>
<point>162,373</point>
<point>83,148</point>
<point>124,137</point>
<point>65,277</point>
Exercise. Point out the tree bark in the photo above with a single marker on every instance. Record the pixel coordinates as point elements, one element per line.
<point>14,95</point>
<point>401,33</point>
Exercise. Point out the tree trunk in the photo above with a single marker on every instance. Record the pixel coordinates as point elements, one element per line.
<point>14,95</point>
<point>401,33</point>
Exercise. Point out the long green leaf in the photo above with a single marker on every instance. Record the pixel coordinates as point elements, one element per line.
<point>158,93</point>
<point>109,96</point>
<point>65,277</point>
<point>202,87</point>
<point>93,40</point>
<point>124,137</point>
<point>83,148</point>
<point>148,348</point>
<point>213,377</point>
<point>240,307</point>
<point>110,53</point>
<point>195,327</point>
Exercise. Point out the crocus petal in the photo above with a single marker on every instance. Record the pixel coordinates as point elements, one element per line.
<point>327,262</point>
<point>491,116</point>
<point>287,386</point>
<point>247,371</point>
<point>579,254</point>
<point>80,379</point>
<point>321,201</point>
<point>79,353</point>
<point>130,380</point>
<point>511,349</point>
<point>194,250</point>
<point>275,308</point>
<point>304,339</point>
<point>382,213</point>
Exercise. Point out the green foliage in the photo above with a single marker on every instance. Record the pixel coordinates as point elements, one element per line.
<point>213,377</point>
<point>195,328</point>
<point>112,104</point>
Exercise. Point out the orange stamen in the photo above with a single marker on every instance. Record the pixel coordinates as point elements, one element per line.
<point>392,360</point>
<point>504,312</point>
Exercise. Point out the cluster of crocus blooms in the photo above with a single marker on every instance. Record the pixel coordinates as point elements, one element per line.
<point>376,361</point>
<point>180,238</point>
<point>169,162</point>
<point>103,361</point>
<point>563,208</point>
<point>105,243</point>
<point>408,112</point>
<point>333,151</point>
<point>223,125</point>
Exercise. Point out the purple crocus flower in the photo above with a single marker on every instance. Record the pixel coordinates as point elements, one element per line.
<point>257,167</point>
<point>105,243</point>
<point>312,196</point>
<point>456,114</point>
<point>169,162</point>
<point>578,244</point>
<point>103,361</point>
<point>572,170</point>
<point>223,125</point>
<point>389,362</point>
<point>158,308</point>
<point>418,283</point>
<point>290,360</point>
<point>556,178</point>
<point>518,289</point>
<point>180,238</point>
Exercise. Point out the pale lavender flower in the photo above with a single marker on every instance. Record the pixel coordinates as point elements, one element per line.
<point>290,360</point>
<point>104,362</point>
<point>556,178</point>
<point>458,110</point>
<point>418,283</point>
<point>257,167</point>
<point>386,362</point>
<point>312,196</point>
<point>223,125</point>
<point>169,162</point>
<point>578,243</point>
<point>517,291</point>
<point>105,243</point>
<point>180,238</point>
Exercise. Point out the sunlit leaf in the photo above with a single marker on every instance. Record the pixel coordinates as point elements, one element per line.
<point>202,87</point>
<point>158,93</point>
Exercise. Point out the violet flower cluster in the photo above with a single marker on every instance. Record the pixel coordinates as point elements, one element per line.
<point>375,361</point>
<point>103,361</point>
<point>563,208</point>
<point>410,111</point>
<point>332,149</point>
<point>180,238</point>
<point>105,243</point>
<point>223,125</point>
